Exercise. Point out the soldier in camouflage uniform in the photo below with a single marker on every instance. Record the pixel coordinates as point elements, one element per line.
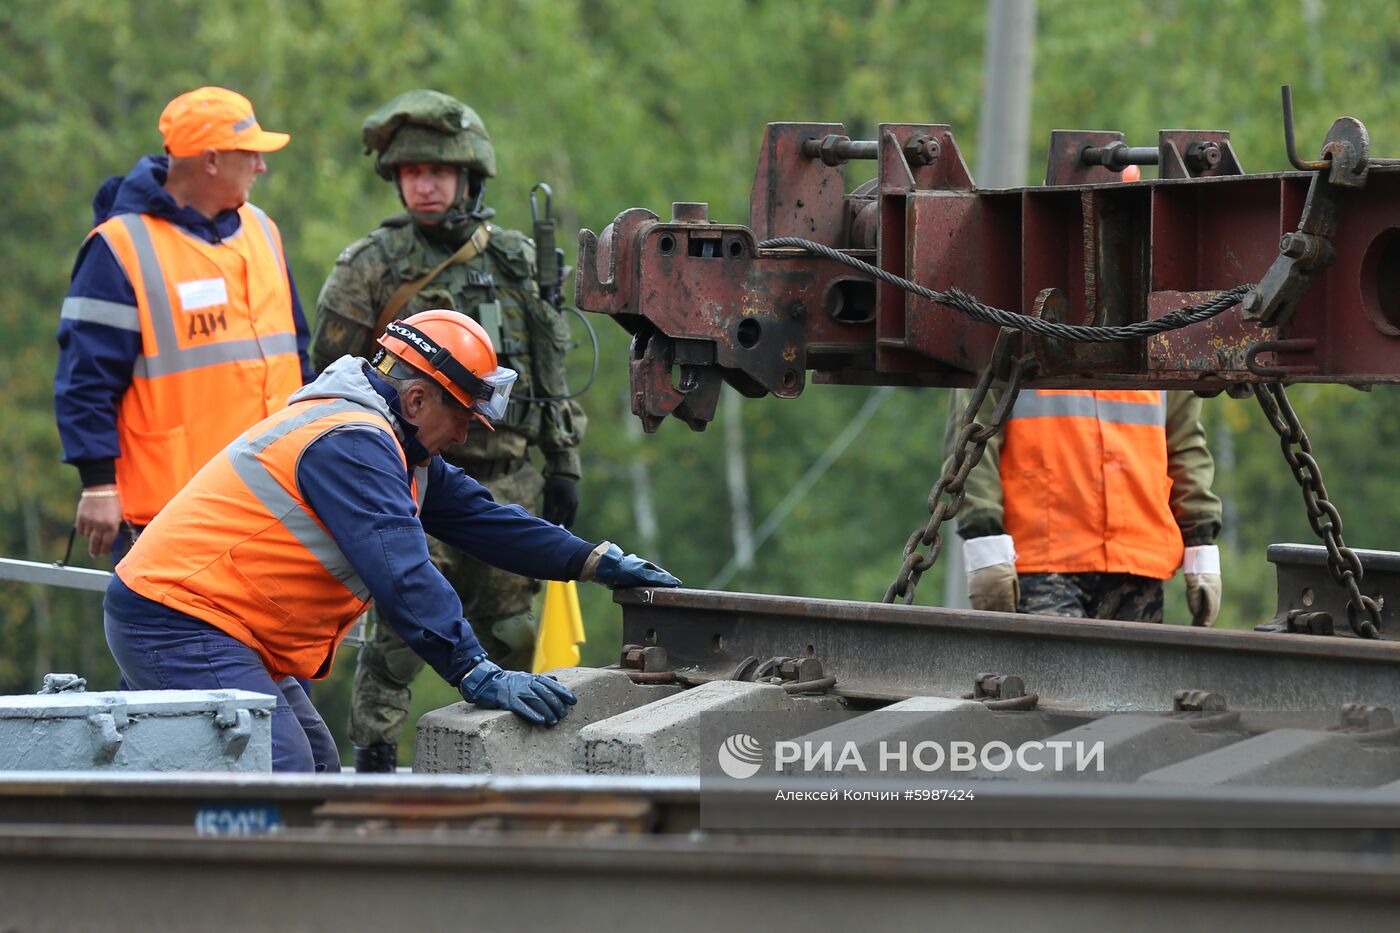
<point>443,253</point>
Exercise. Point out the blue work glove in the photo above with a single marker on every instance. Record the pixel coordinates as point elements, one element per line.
<point>560,500</point>
<point>616,570</point>
<point>533,697</point>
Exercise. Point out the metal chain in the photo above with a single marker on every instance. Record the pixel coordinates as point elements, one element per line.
<point>968,450</point>
<point>1076,333</point>
<point>1342,563</point>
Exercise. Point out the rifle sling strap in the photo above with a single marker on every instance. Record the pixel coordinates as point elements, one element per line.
<point>405,292</point>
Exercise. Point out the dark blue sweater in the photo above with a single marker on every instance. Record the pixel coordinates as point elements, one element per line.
<point>356,484</point>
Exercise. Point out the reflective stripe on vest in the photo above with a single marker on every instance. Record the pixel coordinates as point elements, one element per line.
<point>170,357</point>
<point>1035,403</point>
<point>1085,487</point>
<point>243,454</point>
<point>240,548</point>
<point>96,311</point>
<point>192,393</point>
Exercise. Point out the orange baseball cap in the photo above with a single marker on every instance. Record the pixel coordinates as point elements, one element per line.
<point>214,118</point>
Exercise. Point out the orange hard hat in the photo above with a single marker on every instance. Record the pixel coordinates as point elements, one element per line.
<point>455,352</point>
<point>214,118</point>
<point>1131,173</point>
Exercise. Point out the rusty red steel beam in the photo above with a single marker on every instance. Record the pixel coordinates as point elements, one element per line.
<point>706,304</point>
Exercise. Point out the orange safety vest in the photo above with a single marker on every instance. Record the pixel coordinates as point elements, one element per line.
<point>1085,487</point>
<point>240,548</point>
<point>218,348</point>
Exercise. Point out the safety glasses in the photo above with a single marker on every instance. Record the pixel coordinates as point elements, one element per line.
<point>492,394</point>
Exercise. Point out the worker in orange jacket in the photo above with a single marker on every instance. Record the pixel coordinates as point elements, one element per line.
<point>182,324</point>
<point>251,575</point>
<point>1087,501</point>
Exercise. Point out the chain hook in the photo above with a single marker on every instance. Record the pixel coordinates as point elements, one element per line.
<point>972,442</point>
<point>1343,565</point>
<point>1319,166</point>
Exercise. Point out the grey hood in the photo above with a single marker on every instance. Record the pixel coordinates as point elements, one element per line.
<point>345,378</point>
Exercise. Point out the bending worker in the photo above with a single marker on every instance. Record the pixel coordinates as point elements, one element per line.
<point>180,295</point>
<point>443,253</point>
<point>1086,501</point>
<point>252,574</point>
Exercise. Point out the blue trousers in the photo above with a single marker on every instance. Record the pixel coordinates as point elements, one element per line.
<point>158,648</point>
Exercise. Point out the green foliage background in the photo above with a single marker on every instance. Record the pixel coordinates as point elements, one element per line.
<point>623,104</point>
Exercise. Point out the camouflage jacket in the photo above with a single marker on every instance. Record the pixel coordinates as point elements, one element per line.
<point>532,337</point>
<point>1192,469</point>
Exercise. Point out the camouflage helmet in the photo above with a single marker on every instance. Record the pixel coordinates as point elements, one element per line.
<point>428,126</point>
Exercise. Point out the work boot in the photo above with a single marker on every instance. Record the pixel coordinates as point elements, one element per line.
<point>376,759</point>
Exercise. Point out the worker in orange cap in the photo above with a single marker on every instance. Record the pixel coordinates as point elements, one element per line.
<point>181,297</point>
<point>252,574</point>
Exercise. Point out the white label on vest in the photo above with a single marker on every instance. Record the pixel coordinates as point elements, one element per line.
<point>203,293</point>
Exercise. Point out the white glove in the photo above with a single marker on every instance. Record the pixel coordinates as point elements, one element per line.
<point>1201,565</point>
<point>992,584</point>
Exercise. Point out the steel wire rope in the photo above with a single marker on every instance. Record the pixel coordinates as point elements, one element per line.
<point>1077,333</point>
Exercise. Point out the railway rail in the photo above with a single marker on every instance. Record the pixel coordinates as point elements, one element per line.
<point>593,853</point>
<point>1281,808</point>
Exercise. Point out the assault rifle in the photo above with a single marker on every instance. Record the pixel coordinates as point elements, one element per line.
<point>550,270</point>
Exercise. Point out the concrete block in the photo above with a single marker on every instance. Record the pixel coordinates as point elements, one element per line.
<point>1390,791</point>
<point>138,730</point>
<point>461,739</point>
<point>676,735</point>
<point>1284,758</point>
<point>901,727</point>
<point>1132,746</point>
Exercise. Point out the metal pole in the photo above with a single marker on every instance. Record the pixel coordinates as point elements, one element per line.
<point>1003,139</point>
<point>73,578</point>
<point>1003,155</point>
<point>737,478</point>
<point>643,503</point>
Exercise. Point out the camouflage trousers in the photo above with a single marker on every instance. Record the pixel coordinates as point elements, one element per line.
<point>498,605</point>
<point>1121,596</point>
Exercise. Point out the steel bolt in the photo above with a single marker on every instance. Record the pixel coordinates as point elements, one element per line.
<point>922,150</point>
<point>1198,701</point>
<point>998,686</point>
<point>809,669</point>
<point>1293,245</point>
<point>828,149</point>
<point>649,658</point>
<point>1203,155</point>
<point>1367,718</point>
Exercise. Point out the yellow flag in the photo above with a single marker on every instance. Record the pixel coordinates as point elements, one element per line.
<point>561,628</point>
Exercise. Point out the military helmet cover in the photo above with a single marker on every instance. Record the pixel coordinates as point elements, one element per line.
<point>428,126</point>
